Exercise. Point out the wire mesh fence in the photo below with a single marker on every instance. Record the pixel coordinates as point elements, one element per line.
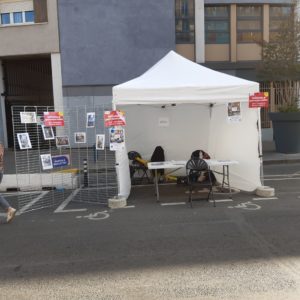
<point>59,160</point>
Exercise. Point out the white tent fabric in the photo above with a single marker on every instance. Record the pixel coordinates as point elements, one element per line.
<point>175,79</point>
<point>182,106</point>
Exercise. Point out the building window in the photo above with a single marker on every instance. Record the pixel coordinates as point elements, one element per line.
<point>217,29</point>
<point>5,18</point>
<point>18,17</point>
<point>185,22</point>
<point>278,16</point>
<point>249,24</point>
<point>29,16</point>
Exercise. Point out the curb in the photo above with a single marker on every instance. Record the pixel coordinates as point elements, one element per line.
<point>281,161</point>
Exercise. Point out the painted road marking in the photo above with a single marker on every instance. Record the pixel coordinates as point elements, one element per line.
<point>247,205</point>
<point>97,216</point>
<point>32,202</point>
<point>128,206</point>
<point>61,209</point>
<point>11,194</point>
<point>172,203</point>
<point>261,199</point>
<point>221,200</point>
<point>282,175</point>
<point>281,179</point>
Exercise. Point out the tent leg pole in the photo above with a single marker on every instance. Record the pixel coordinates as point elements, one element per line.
<point>260,148</point>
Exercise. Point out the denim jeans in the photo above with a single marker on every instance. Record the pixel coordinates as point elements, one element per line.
<point>3,203</point>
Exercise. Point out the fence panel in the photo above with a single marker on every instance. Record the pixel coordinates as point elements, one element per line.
<point>63,159</point>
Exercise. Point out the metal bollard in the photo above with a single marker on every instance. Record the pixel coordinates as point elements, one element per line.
<point>85,173</point>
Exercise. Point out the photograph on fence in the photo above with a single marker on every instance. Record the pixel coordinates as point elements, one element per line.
<point>90,120</point>
<point>80,137</point>
<point>24,141</point>
<point>100,141</point>
<point>28,117</point>
<point>116,138</point>
<point>46,161</point>
<point>62,141</point>
<point>48,133</point>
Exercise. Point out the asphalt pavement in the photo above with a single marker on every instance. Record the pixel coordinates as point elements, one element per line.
<point>248,248</point>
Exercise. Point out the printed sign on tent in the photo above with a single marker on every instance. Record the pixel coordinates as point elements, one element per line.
<point>114,118</point>
<point>116,138</point>
<point>234,112</point>
<point>259,100</point>
<point>54,118</point>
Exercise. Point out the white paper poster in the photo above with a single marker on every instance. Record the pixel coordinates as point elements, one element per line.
<point>100,141</point>
<point>24,141</point>
<point>116,138</point>
<point>28,117</point>
<point>163,122</point>
<point>46,161</point>
<point>234,112</point>
<point>90,120</point>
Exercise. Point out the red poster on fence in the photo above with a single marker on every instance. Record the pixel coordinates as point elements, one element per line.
<point>114,118</point>
<point>54,118</point>
<point>259,100</point>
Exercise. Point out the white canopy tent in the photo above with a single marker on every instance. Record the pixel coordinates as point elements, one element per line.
<point>182,106</point>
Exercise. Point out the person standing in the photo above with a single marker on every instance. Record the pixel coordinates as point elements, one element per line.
<point>11,212</point>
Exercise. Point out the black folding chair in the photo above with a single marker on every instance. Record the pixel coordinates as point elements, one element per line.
<point>137,167</point>
<point>199,175</point>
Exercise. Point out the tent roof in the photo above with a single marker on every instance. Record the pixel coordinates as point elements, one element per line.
<point>175,79</point>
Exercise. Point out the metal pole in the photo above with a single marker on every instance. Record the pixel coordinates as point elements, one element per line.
<point>260,148</point>
<point>85,174</point>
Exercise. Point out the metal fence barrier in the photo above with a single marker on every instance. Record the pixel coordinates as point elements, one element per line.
<point>90,174</point>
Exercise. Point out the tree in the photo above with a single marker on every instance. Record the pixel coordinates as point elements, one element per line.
<point>280,65</point>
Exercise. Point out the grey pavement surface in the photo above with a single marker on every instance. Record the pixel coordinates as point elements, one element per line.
<point>245,249</point>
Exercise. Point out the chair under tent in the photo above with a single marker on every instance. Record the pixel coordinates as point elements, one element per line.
<point>199,175</point>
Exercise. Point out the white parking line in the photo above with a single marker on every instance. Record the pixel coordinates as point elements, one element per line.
<point>261,199</point>
<point>221,200</point>
<point>172,203</point>
<point>129,206</point>
<point>32,202</point>
<point>280,179</point>
<point>8,194</point>
<point>61,209</point>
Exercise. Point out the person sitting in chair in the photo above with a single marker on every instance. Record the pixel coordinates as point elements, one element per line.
<point>201,154</point>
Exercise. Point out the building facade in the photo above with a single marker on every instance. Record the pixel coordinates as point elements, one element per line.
<point>29,58</point>
<point>232,32</point>
<point>67,53</point>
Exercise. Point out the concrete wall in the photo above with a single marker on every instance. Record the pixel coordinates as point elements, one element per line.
<point>31,38</point>
<point>217,52</point>
<point>248,52</point>
<point>200,31</point>
<point>109,42</point>
<point>186,50</point>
